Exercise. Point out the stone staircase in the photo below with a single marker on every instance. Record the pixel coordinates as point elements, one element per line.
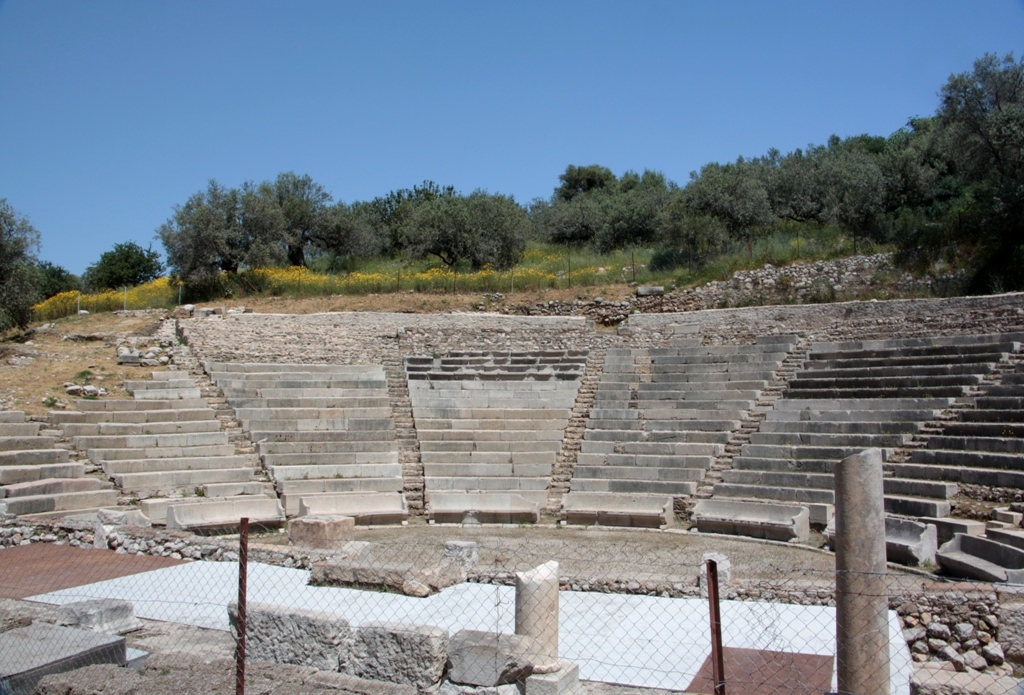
<point>322,431</point>
<point>38,477</point>
<point>661,417</point>
<point>856,395</point>
<point>490,426</point>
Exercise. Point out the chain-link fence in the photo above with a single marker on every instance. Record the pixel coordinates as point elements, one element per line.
<point>451,608</point>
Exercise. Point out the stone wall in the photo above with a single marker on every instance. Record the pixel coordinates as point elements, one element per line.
<point>370,337</point>
<point>845,279</point>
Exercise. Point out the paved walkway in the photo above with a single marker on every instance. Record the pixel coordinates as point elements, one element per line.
<point>632,640</point>
<point>40,567</point>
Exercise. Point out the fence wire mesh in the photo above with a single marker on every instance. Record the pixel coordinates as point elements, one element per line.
<point>434,609</point>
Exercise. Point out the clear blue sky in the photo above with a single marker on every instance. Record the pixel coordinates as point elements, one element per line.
<point>113,112</point>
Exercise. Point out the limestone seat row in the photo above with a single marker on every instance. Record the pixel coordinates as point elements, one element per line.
<point>997,555</point>
<point>37,477</point>
<point>490,425</point>
<point>323,432</point>
<point>166,446</point>
<point>855,395</point>
<point>984,445</point>
<point>658,434</point>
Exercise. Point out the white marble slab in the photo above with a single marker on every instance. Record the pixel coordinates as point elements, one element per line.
<point>633,640</point>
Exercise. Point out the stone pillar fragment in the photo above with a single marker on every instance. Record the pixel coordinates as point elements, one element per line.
<point>862,605</point>
<point>537,613</point>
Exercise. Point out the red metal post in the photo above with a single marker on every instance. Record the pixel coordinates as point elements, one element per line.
<point>717,657</point>
<point>243,571</point>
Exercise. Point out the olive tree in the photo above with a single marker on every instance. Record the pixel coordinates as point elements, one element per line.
<point>19,290</point>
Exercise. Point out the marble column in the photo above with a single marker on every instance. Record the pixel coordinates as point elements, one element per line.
<point>537,613</point>
<point>862,603</point>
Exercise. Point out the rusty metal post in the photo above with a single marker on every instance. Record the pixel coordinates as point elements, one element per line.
<point>717,657</point>
<point>243,571</point>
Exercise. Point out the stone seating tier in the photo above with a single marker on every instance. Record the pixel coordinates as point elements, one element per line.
<point>658,432</point>
<point>490,425</point>
<point>872,394</point>
<point>224,513</point>
<point>756,519</point>
<point>463,507</point>
<point>609,509</point>
<point>37,477</point>
<point>368,509</point>
<point>981,558</point>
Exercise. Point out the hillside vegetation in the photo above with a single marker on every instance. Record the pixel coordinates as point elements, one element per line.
<point>946,192</point>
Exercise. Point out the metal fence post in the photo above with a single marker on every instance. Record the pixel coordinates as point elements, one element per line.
<point>717,657</point>
<point>243,571</point>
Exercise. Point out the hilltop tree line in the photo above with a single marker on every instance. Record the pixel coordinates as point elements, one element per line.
<point>944,188</point>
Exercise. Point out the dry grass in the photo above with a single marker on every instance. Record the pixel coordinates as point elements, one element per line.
<point>52,360</point>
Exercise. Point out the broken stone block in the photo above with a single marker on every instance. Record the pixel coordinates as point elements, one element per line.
<point>321,531</point>
<point>450,688</point>
<point>27,654</point>
<point>564,681</point>
<point>1007,517</point>
<point>490,658</point>
<point>463,553</point>
<point>287,635</point>
<point>399,653</point>
<point>106,615</point>
<point>122,517</point>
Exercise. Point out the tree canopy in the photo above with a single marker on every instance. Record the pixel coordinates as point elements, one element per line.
<point>19,243</point>
<point>125,265</point>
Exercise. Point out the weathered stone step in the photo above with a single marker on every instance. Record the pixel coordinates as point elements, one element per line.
<point>829,439</point>
<point>999,403</point>
<point>147,441</point>
<point>802,382</point>
<point>132,416</point>
<point>961,474</point>
<point>897,392</point>
<point>329,459</point>
<point>644,460</point>
<point>52,486</point>
<point>25,457</point>
<point>972,459</point>
<point>533,457</point>
<point>100,455</point>
<point>140,405</point>
<point>11,475</point>
<point>26,443</point>
<point>129,428</point>
<point>18,429</point>
<point>64,501</point>
<point>1004,445</point>
<point>162,465</point>
<point>826,370</point>
<point>337,470</point>
<point>636,473</point>
<point>434,471</point>
<point>840,427</point>
<point>347,403</point>
<point>996,428</point>
<point>180,480</point>
<point>665,487</point>
<point>325,447</point>
<point>803,452</point>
